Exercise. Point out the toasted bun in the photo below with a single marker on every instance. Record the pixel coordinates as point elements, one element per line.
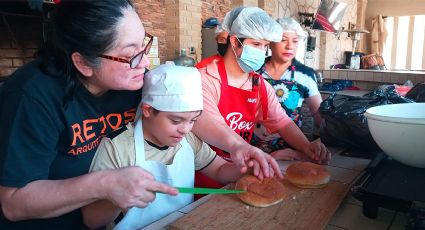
<point>307,175</point>
<point>260,193</point>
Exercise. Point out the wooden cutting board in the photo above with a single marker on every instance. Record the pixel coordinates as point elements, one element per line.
<point>301,209</point>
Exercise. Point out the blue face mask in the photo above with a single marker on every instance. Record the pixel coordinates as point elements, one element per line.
<point>251,58</point>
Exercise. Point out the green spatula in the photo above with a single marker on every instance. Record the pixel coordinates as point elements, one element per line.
<point>208,190</point>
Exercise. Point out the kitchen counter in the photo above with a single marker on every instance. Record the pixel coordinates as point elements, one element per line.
<point>370,79</point>
<point>301,208</point>
<point>381,76</point>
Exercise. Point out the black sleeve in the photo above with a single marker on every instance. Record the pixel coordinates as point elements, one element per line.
<point>28,138</point>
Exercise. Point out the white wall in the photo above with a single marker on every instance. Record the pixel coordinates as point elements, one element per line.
<point>395,7</point>
<point>391,8</point>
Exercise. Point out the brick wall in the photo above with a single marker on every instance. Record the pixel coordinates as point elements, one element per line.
<point>176,23</point>
<point>172,27</point>
<point>152,14</point>
<point>215,8</point>
<point>190,26</point>
<point>20,38</point>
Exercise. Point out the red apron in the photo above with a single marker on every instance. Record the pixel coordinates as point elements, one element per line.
<point>238,108</point>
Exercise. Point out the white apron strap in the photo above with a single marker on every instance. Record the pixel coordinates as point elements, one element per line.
<point>139,142</point>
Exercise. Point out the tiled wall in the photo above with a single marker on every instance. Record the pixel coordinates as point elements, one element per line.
<point>329,46</point>
<point>369,79</point>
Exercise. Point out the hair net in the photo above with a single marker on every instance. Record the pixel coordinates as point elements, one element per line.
<point>291,25</point>
<point>252,22</point>
<point>172,88</point>
<point>230,17</point>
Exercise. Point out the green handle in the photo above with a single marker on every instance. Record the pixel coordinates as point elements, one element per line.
<point>208,190</point>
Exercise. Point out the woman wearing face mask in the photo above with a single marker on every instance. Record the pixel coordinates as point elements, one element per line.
<point>221,39</point>
<point>236,98</point>
<point>292,81</point>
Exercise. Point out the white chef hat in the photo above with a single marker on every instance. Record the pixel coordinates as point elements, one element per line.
<point>252,22</point>
<point>172,88</point>
<point>290,25</point>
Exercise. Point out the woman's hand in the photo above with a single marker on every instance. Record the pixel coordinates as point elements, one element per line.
<point>317,151</point>
<point>286,154</point>
<point>132,186</point>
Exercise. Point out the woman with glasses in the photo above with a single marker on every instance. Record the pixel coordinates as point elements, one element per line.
<point>236,97</point>
<point>55,110</point>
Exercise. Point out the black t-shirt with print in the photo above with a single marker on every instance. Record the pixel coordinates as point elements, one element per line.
<point>47,135</point>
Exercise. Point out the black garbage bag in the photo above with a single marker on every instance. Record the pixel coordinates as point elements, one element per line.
<point>417,93</point>
<point>344,122</point>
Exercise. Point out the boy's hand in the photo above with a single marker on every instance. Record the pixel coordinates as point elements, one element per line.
<point>263,164</point>
<point>260,175</point>
<point>132,187</point>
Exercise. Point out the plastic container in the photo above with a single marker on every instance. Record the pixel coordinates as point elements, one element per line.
<point>399,129</point>
<point>355,62</point>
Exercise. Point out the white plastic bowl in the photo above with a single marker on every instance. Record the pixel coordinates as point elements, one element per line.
<point>399,129</point>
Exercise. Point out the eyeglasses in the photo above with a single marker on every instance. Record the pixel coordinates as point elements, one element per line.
<point>134,61</point>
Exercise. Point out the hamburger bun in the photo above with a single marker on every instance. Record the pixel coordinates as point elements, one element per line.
<point>260,193</point>
<point>307,175</point>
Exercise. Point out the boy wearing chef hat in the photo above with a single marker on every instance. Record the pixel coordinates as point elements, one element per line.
<point>160,141</point>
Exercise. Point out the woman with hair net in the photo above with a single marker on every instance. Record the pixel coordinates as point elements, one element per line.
<point>236,97</point>
<point>293,82</point>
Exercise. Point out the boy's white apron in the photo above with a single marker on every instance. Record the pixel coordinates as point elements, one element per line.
<point>180,173</point>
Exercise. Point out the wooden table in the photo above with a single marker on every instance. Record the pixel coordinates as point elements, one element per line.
<point>301,208</point>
